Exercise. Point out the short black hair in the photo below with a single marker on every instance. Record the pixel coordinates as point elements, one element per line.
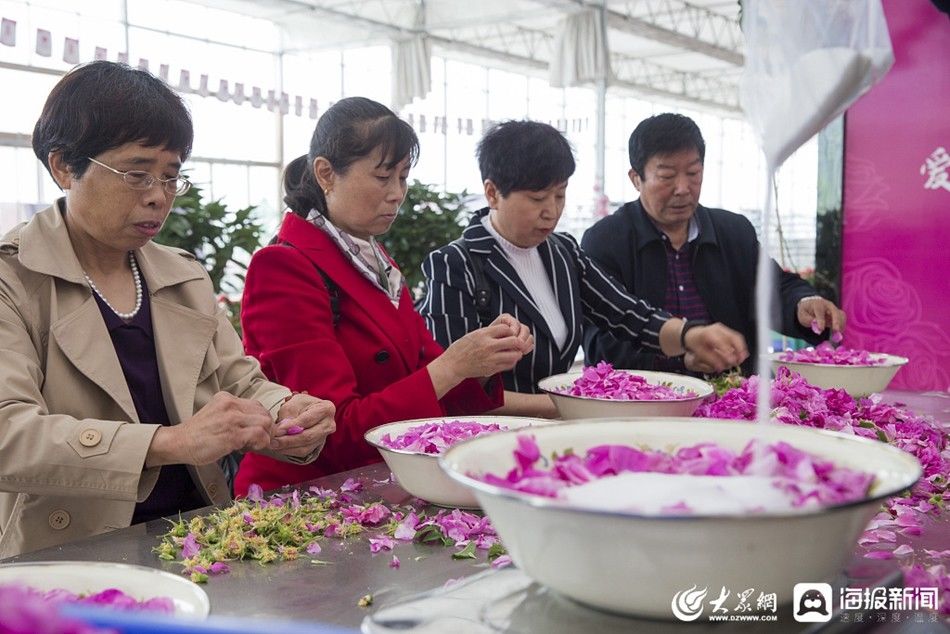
<point>524,156</point>
<point>102,105</point>
<point>664,134</point>
<point>351,129</point>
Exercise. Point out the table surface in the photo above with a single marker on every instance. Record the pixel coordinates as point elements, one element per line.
<point>329,593</point>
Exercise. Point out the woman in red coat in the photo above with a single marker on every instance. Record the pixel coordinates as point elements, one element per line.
<point>326,311</point>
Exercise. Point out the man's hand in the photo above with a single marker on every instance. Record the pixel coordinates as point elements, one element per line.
<point>817,313</point>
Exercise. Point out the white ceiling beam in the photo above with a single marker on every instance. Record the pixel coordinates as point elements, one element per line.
<point>644,28</point>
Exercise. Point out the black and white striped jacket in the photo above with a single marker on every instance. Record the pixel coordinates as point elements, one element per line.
<point>582,289</point>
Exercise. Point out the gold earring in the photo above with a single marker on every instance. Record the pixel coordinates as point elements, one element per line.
<point>326,192</point>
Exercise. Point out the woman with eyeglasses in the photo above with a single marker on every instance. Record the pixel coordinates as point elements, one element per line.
<point>123,383</point>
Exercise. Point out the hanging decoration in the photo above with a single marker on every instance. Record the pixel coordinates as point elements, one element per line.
<point>8,32</point>
<point>44,43</point>
<point>412,54</point>
<point>71,50</point>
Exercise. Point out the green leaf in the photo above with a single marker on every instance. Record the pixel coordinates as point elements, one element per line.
<point>466,553</point>
<point>496,550</point>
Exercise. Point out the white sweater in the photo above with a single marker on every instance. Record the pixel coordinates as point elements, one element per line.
<point>527,264</point>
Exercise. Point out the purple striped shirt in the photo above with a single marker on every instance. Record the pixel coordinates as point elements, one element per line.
<point>682,297</point>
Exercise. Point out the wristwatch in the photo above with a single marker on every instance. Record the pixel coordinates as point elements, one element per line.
<point>687,325</point>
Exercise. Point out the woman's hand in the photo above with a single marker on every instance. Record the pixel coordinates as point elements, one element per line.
<point>518,329</point>
<point>714,348</point>
<point>303,424</point>
<point>481,353</point>
<point>490,350</point>
<point>227,423</point>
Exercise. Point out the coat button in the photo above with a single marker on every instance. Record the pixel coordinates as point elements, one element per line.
<point>59,519</point>
<point>90,437</point>
<point>382,356</point>
<point>213,489</point>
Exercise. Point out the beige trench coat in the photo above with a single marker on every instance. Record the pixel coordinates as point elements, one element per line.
<point>72,451</point>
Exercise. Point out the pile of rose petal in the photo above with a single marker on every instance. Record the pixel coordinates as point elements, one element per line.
<point>287,526</point>
<point>602,381</point>
<point>25,610</point>
<point>434,438</point>
<point>804,480</point>
<point>827,354</point>
<point>797,402</point>
<point>111,598</point>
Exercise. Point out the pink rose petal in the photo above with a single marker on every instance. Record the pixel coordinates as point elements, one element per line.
<point>502,561</point>
<point>902,550</point>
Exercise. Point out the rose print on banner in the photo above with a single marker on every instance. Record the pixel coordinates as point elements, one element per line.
<point>887,303</point>
<point>884,315</point>
<point>867,204</point>
<point>928,348</point>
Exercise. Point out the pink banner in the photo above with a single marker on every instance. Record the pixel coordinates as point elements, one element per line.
<point>896,271</point>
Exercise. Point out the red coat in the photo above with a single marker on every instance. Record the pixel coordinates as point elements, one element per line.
<point>372,364</point>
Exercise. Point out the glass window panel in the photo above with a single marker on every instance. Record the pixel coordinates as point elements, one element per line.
<point>366,73</point>
<point>219,62</point>
<point>264,192</point>
<point>231,131</point>
<point>230,185</point>
<point>431,166</point>
<point>188,18</point>
<point>31,89</point>
<point>544,102</point>
<point>507,95</point>
<point>316,75</point>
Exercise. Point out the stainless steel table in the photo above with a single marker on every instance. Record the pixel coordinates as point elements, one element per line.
<point>329,593</point>
<point>298,589</point>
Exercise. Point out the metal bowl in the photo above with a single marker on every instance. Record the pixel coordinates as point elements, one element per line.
<point>856,380</point>
<point>635,564</point>
<point>574,407</point>
<point>419,473</point>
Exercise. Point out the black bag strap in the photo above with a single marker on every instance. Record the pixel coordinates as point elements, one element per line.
<point>482,290</point>
<point>334,292</point>
<point>332,288</point>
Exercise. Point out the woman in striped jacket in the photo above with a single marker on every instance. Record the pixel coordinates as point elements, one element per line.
<point>510,260</point>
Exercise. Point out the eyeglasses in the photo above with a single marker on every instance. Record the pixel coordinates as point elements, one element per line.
<point>137,179</point>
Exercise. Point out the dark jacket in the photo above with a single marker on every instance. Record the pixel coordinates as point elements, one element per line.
<point>582,289</point>
<point>629,247</point>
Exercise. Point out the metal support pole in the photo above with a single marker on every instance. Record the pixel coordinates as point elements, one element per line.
<point>600,151</point>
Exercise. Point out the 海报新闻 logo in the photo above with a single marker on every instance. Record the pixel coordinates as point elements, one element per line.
<point>812,602</point>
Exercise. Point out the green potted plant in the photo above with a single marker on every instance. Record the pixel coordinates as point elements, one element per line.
<point>221,239</point>
<point>427,220</point>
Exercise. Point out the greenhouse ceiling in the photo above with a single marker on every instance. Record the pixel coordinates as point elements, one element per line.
<point>687,52</point>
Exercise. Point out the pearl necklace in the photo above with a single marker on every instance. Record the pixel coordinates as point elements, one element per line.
<point>138,291</point>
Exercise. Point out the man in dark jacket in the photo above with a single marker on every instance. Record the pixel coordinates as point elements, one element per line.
<point>695,262</point>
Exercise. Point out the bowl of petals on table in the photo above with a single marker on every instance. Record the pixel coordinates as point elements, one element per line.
<point>640,516</point>
<point>411,450</point>
<point>858,372</point>
<point>601,391</point>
